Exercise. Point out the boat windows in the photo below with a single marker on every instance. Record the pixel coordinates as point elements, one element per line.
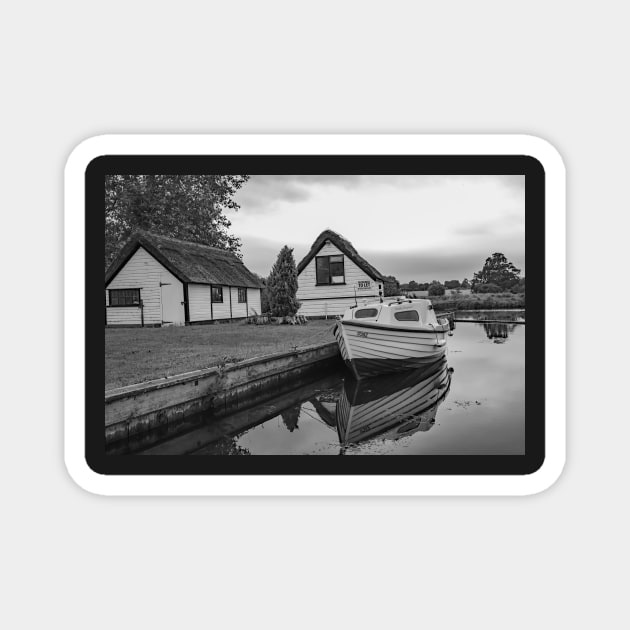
<point>362,313</point>
<point>407,316</point>
<point>330,270</point>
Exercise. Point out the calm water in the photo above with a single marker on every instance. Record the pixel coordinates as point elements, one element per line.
<point>471,403</point>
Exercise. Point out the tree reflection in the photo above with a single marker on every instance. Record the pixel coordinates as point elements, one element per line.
<point>499,332</point>
<point>290,417</point>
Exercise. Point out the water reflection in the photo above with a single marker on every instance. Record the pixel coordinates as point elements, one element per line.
<point>391,407</point>
<point>517,315</point>
<point>498,332</point>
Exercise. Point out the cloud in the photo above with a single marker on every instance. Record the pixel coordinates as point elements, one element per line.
<point>264,193</point>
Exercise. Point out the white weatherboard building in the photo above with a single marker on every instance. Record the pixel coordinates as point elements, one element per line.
<point>333,276</point>
<point>157,281</point>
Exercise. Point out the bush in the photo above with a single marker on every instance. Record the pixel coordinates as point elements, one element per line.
<point>488,288</point>
<point>435,288</point>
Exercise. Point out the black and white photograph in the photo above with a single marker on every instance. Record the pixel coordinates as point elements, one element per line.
<point>315,314</point>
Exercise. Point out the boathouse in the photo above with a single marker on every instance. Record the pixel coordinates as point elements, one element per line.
<point>333,276</point>
<point>156,281</point>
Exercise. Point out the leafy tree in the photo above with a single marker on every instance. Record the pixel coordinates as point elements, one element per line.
<point>282,285</point>
<point>190,207</point>
<point>519,287</point>
<point>452,284</point>
<point>413,286</point>
<point>391,286</point>
<point>465,284</point>
<point>488,288</point>
<point>436,288</point>
<point>497,270</point>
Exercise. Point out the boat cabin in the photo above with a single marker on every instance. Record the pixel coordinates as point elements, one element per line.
<point>400,313</point>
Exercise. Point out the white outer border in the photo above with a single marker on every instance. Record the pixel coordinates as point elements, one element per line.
<point>393,485</point>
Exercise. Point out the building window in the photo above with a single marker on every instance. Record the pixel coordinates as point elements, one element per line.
<point>217,294</point>
<point>330,270</point>
<point>124,297</point>
<point>242,296</point>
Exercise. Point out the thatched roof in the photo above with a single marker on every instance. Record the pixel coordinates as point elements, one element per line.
<point>189,262</point>
<point>346,247</point>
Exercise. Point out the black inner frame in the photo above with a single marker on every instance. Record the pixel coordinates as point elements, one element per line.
<point>528,463</point>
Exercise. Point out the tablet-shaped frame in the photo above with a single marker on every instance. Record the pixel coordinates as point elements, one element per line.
<point>322,475</point>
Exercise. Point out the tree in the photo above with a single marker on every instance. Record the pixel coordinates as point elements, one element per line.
<point>519,287</point>
<point>465,284</point>
<point>413,286</point>
<point>436,288</point>
<point>282,285</point>
<point>497,270</point>
<point>190,207</point>
<point>452,284</point>
<point>391,286</point>
<point>488,288</point>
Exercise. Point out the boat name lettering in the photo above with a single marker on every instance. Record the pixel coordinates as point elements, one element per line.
<point>364,284</point>
<point>362,334</point>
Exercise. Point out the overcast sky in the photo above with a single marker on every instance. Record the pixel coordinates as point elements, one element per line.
<point>415,227</point>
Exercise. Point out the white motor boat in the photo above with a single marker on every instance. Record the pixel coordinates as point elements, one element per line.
<point>391,336</point>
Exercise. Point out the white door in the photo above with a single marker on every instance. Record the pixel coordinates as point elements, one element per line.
<point>172,301</point>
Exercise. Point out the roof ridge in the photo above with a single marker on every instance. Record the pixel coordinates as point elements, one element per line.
<point>184,242</point>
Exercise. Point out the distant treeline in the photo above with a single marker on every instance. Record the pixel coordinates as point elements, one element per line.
<point>477,301</point>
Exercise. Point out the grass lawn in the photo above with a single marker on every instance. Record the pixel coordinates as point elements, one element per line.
<point>134,355</point>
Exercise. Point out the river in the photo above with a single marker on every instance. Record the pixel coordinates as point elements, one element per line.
<point>473,402</point>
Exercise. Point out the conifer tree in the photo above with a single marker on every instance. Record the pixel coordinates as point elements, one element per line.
<point>282,285</point>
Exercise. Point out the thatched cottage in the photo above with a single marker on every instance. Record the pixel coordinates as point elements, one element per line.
<point>157,281</point>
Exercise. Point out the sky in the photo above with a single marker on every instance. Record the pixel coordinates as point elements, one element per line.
<point>414,227</point>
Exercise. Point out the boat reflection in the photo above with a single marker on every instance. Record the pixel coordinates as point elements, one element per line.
<point>391,407</point>
<point>498,331</point>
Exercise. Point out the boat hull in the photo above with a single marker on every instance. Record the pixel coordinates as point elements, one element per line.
<point>370,350</point>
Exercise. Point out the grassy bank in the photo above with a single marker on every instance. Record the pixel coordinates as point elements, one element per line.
<point>133,355</point>
<point>478,301</point>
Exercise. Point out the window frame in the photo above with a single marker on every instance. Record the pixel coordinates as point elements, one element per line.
<point>219,288</point>
<point>330,277</point>
<point>130,305</point>
<point>244,290</point>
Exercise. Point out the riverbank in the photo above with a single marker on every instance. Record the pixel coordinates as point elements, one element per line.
<point>135,355</point>
<point>478,301</point>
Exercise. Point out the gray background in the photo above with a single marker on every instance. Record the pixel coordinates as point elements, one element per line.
<point>73,70</point>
